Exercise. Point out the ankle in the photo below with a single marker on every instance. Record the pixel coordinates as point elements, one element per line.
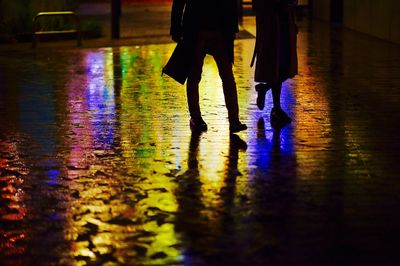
<point>236,126</point>
<point>262,87</point>
<point>198,124</point>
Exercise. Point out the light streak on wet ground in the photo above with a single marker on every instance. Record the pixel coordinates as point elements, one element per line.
<point>99,167</point>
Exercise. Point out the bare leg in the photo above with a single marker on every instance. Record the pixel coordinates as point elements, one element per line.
<point>278,117</point>
<point>276,95</point>
<point>261,89</point>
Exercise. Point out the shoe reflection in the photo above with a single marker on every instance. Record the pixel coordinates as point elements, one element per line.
<point>207,227</point>
<point>193,163</point>
<point>276,136</point>
<point>236,144</point>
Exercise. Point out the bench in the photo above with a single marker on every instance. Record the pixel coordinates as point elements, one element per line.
<point>77,29</point>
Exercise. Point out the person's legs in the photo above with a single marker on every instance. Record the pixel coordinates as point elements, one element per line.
<point>278,117</point>
<point>276,94</point>
<point>261,89</point>
<point>224,65</point>
<point>228,85</point>
<point>192,85</point>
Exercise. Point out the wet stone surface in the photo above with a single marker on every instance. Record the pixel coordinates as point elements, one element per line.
<point>99,167</point>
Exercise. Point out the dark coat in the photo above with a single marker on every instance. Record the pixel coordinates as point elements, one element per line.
<point>274,18</point>
<point>186,17</point>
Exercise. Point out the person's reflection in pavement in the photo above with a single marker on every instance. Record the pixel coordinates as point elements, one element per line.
<point>235,145</point>
<point>190,221</point>
<point>229,240</point>
<point>272,197</point>
<point>228,193</point>
<point>208,232</point>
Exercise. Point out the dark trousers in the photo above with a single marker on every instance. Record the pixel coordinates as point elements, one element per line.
<point>213,43</point>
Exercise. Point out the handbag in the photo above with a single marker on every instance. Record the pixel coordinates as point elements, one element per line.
<point>177,66</point>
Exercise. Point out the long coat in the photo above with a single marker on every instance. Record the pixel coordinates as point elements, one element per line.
<point>186,17</point>
<point>275,52</point>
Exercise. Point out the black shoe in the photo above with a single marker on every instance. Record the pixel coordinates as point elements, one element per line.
<point>236,127</point>
<point>261,89</point>
<point>279,118</point>
<point>198,124</point>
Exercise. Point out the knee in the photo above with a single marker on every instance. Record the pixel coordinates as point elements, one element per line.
<point>194,79</point>
<point>228,82</point>
<point>227,77</point>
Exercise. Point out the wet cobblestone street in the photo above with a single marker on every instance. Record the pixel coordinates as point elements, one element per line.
<point>98,165</point>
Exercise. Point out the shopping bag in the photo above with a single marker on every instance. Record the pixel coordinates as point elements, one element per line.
<point>177,66</point>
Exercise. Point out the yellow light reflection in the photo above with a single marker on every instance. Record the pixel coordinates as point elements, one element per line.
<point>120,142</point>
<point>101,219</point>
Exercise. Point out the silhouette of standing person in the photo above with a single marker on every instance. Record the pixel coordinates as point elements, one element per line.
<point>208,27</point>
<point>275,53</point>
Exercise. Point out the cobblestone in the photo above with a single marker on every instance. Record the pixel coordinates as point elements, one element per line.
<point>98,165</point>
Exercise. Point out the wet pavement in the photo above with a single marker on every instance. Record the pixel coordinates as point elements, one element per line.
<point>98,165</point>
